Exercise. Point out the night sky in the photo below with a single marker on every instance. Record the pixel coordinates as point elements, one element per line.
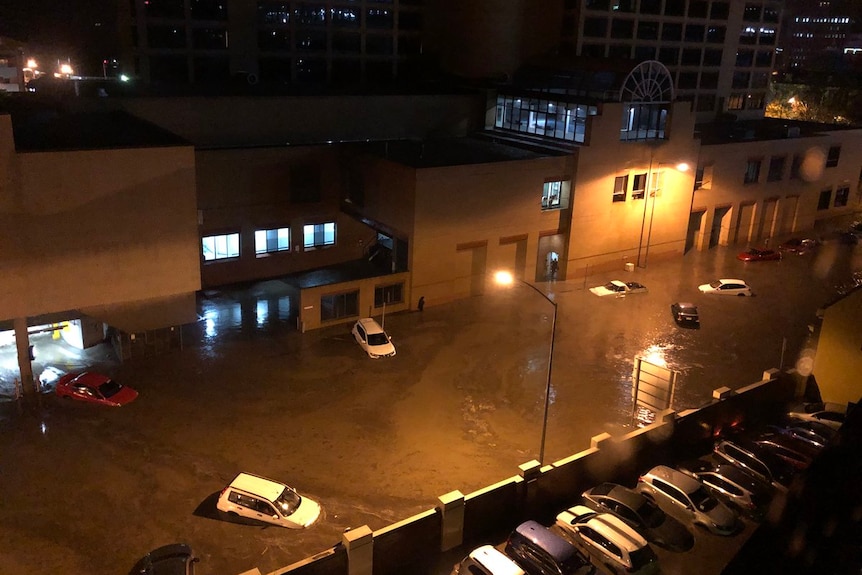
<point>83,31</point>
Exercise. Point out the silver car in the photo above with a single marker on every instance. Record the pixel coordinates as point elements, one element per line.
<point>692,497</point>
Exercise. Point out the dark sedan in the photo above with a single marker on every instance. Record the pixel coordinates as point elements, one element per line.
<point>175,559</point>
<point>641,514</point>
<point>758,255</point>
<point>685,314</point>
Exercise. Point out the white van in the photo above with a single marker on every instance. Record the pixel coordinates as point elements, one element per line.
<point>267,500</point>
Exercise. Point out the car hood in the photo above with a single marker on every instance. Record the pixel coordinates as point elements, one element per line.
<point>722,515</point>
<point>122,397</point>
<point>306,514</point>
<point>383,349</point>
<point>602,290</point>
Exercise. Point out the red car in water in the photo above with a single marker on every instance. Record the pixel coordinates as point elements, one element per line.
<point>94,387</point>
<point>758,255</point>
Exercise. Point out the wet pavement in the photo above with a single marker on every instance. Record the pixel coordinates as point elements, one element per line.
<point>89,489</point>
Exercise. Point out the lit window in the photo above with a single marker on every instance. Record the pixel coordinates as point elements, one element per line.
<point>275,240</point>
<point>220,247</point>
<point>551,195</point>
<point>319,235</point>
<point>620,185</point>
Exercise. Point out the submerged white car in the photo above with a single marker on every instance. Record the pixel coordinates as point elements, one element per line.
<point>618,288</point>
<point>371,337</point>
<point>726,287</point>
<point>266,500</point>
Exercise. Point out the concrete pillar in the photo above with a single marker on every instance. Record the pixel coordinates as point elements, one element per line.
<point>452,525</point>
<point>25,368</point>
<point>722,393</point>
<point>600,440</point>
<point>530,470</point>
<point>530,503</point>
<point>359,544</point>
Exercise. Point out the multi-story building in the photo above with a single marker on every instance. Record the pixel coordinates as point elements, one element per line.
<point>12,65</point>
<point>272,42</point>
<point>815,35</point>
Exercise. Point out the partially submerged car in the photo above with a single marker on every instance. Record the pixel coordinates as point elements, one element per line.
<point>267,500</point>
<point>371,338</point>
<point>93,387</point>
<point>726,287</point>
<point>618,288</point>
<point>685,314</point>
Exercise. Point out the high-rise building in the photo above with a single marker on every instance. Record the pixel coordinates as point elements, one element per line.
<point>816,36</point>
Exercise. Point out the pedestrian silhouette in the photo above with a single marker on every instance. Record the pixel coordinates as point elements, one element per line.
<point>421,304</point>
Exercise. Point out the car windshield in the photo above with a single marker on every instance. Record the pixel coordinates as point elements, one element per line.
<point>702,499</point>
<point>109,388</point>
<point>613,287</point>
<point>642,556</point>
<point>377,339</point>
<point>288,501</point>
<point>715,285</point>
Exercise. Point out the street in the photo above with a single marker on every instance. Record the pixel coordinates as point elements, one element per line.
<point>90,489</point>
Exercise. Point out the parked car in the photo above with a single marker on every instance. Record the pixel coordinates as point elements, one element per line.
<point>640,513</point>
<point>175,559</point>
<point>816,432</point>
<point>618,288</point>
<point>94,387</point>
<point>371,338</point>
<point>487,560</point>
<point>692,497</point>
<point>608,540</point>
<point>731,483</point>
<point>798,246</point>
<point>758,255</point>
<point>756,460</point>
<point>540,551</point>
<point>830,414</point>
<point>797,453</point>
<point>726,287</point>
<point>685,314</point>
<point>267,500</point>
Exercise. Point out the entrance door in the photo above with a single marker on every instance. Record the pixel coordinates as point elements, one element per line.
<point>719,229</point>
<point>552,266</point>
<point>695,221</point>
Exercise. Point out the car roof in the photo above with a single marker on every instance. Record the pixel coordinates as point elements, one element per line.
<point>625,496</point>
<point>370,325</point>
<point>90,378</point>
<point>495,561</point>
<point>618,283</point>
<point>731,281</point>
<point>266,488</point>
<point>540,535</point>
<point>677,478</point>
<point>614,529</point>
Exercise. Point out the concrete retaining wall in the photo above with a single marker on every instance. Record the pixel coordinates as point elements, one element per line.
<point>541,492</point>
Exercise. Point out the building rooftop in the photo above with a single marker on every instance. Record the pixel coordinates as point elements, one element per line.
<point>726,132</point>
<point>455,152</point>
<point>40,127</point>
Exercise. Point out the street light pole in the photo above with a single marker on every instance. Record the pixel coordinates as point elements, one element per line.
<point>506,278</point>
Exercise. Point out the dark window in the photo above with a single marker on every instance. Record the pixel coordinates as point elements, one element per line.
<point>620,185</point>
<point>275,70</point>
<point>164,9</point>
<point>712,57</point>
<point>339,305</point>
<point>752,12</point>
<point>304,184</point>
<point>622,28</point>
<point>687,81</point>
<point>705,103</point>
<point>211,70</point>
<point>378,44</point>
<point>841,196</point>
<point>209,9</point>
<point>639,186</point>
<point>166,37</point>
<point>668,56</point>
<point>273,39</point>
<point>770,14</point>
<point>825,198</point>
<point>776,168</point>
<point>619,51</point>
<point>623,5</point>
<point>643,53</point>
<point>709,80</point>
<point>719,10</point>
<point>647,30</point>
<point>698,178</point>
<point>767,37</point>
<point>832,158</point>
<point>311,41</point>
<point>388,294</point>
<point>674,7</point>
<point>752,172</point>
<point>759,80</point>
<point>691,57</point>
<point>346,17</point>
<point>744,58</point>
<point>593,50</point>
<point>694,32</point>
<point>209,39</point>
<point>598,4</point>
<point>698,8</point>
<point>794,166</point>
<point>596,27</point>
<point>764,59</point>
<point>650,6</point>
<point>741,79</point>
<point>380,18</point>
<point>716,34</point>
<point>671,32</point>
<point>169,70</point>
<point>347,42</point>
<point>410,21</point>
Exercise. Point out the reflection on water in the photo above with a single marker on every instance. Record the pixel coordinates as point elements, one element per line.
<point>242,312</point>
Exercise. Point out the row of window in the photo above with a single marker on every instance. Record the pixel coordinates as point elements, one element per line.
<point>280,14</point>
<point>621,187</point>
<point>776,166</point>
<point>558,120</point>
<point>653,30</point>
<point>692,8</point>
<point>227,246</point>
<point>218,9</point>
<point>344,305</point>
<point>842,195</point>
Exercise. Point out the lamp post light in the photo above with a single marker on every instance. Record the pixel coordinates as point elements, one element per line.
<point>506,278</point>
<point>651,176</point>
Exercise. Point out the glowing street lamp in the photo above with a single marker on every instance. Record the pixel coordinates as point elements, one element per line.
<point>506,278</point>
